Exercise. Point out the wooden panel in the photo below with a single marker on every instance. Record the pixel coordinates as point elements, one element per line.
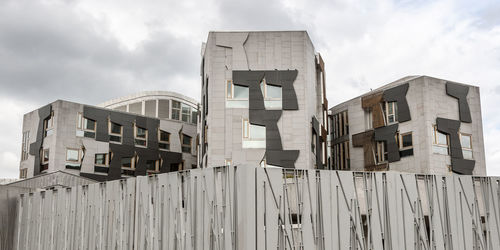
<point>373,102</point>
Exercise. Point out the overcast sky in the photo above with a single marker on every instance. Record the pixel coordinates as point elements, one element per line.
<point>94,50</point>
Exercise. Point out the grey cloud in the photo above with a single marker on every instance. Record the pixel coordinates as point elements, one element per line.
<point>50,52</point>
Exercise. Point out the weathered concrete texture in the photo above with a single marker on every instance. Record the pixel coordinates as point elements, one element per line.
<point>266,208</point>
<point>8,214</point>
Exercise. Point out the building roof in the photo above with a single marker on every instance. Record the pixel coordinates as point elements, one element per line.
<point>117,101</point>
<point>52,179</point>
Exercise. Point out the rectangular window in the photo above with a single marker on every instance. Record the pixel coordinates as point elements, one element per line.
<point>186,113</point>
<point>48,125</point>
<point>186,143</point>
<point>466,142</point>
<point>341,158</point>
<point>246,128</point>
<point>163,140</point>
<point>101,160</point>
<point>270,92</point>
<point>440,143</point>
<point>194,117</point>
<point>23,173</point>
<point>25,146</point>
<point>115,131</point>
<point>368,119</point>
<point>128,166</point>
<point>153,166</point>
<point>229,89</point>
<point>391,109</point>
<point>141,135</point>
<point>45,156</point>
<point>341,124</point>
<point>405,141</point>
<point>381,152</point>
<point>163,109</point>
<point>73,158</point>
<point>85,127</point>
<point>176,110</point>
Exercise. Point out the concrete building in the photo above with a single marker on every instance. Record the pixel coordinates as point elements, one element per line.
<point>263,100</point>
<point>417,124</point>
<point>105,144</point>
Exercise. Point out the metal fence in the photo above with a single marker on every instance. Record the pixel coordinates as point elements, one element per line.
<point>263,208</point>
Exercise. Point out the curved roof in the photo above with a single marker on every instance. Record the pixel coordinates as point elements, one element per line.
<point>144,95</point>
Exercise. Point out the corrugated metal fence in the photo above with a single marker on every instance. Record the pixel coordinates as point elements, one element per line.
<point>257,208</point>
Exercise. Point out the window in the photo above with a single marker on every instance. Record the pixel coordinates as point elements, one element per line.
<point>236,92</point>
<point>194,117</point>
<point>313,143</point>
<point>141,135</point>
<point>128,166</point>
<point>101,160</point>
<point>85,127</point>
<point>73,158</point>
<point>228,162</point>
<point>48,125</point>
<point>341,158</point>
<point>391,109</point>
<point>246,128</point>
<point>440,143</point>
<point>23,173</point>
<point>466,142</point>
<point>368,119</point>
<point>176,110</point>
<point>45,156</point>
<point>405,141</point>
<point>340,124</point>
<point>381,152</point>
<point>153,166</point>
<point>186,113</point>
<point>135,108</point>
<point>272,95</point>
<point>25,146</point>
<point>115,131</point>
<point>163,140</point>
<point>186,143</point>
<point>163,109</point>
<point>254,136</point>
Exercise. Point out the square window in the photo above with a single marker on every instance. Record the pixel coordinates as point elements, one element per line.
<point>72,155</point>
<point>101,160</point>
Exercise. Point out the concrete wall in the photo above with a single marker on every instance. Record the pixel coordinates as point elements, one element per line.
<point>228,51</point>
<point>266,208</point>
<point>8,214</point>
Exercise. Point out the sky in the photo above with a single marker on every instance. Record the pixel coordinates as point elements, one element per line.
<point>95,50</point>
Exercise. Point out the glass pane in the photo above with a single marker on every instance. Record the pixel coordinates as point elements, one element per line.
<point>440,150</point>
<point>194,117</point>
<point>240,92</point>
<point>115,138</point>
<point>186,140</point>
<point>407,140</point>
<point>140,142</point>
<point>126,162</point>
<point>391,110</point>
<point>89,124</point>
<point>257,132</point>
<point>391,119</point>
<point>176,104</point>
<point>151,165</point>
<point>140,133</point>
<point>186,113</point>
<point>71,155</point>
<point>150,108</point>
<point>164,136</point>
<point>273,92</point>
<point>165,146</point>
<point>441,138</point>
<point>116,128</point>
<point>467,154</point>
<point>465,140</point>
<point>229,89</point>
<point>100,159</point>
<point>175,114</point>
<point>46,155</point>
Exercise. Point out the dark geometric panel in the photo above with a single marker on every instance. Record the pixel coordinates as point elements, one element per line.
<point>35,147</point>
<point>460,92</point>
<point>407,152</point>
<point>458,163</point>
<point>388,134</point>
<point>398,94</point>
<point>169,158</point>
<point>101,118</point>
<point>258,115</point>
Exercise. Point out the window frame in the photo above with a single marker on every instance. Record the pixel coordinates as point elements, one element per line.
<point>48,125</point>
<point>79,155</point>
<point>43,156</point>
<point>381,152</point>
<point>263,87</point>
<point>145,139</point>
<point>179,109</point>
<point>183,146</point>
<point>106,160</point>
<point>231,96</point>
<point>160,141</point>
<point>464,148</point>
<point>435,141</point>
<point>23,173</point>
<point>394,113</point>
<point>400,141</point>
<point>110,132</point>
<point>25,145</point>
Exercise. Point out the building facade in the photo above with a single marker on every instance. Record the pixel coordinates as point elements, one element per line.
<point>263,101</point>
<point>417,124</point>
<point>105,144</point>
